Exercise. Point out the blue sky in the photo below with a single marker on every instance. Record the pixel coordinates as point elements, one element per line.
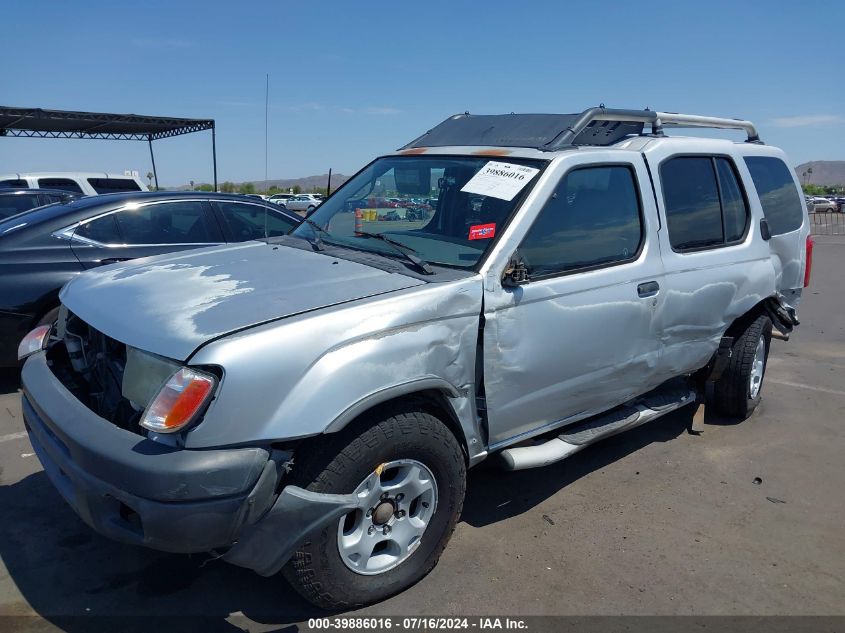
<point>350,80</point>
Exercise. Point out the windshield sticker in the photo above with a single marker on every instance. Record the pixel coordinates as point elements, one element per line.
<point>500,180</point>
<point>482,231</point>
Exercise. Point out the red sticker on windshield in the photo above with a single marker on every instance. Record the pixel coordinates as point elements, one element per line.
<point>482,231</point>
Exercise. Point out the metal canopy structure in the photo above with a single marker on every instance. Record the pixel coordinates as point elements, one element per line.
<point>39,123</point>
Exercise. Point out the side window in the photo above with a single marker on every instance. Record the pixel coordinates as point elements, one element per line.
<point>112,185</point>
<point>247,221</point>
<point>278,224</point>
<point>103,230</point>
<point>692,203</point>
<point>734,208</point>
<point>705,204</point>
<point>14,184</point>
<point>592,219</point>
<point>65,184</point>
<point>183,222</point>
<point>12,205</point>
<point>778,194</point>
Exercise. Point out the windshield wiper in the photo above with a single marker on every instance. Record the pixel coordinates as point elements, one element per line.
<point>406,251</point>
<point>318,241</point>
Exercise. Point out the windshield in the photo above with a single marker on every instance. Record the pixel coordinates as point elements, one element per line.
<point>444,209</point>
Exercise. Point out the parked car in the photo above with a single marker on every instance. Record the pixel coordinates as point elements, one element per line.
<point>83,183</point>
<point>824,205</point>
<point>311,403</point>
<point>303,202</point>
<point>14,201</point>
<point>281,198</point>
<point>60,241</point>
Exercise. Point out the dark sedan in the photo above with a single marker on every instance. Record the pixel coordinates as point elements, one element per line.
<point>42,249</point>
<point>14,201</point>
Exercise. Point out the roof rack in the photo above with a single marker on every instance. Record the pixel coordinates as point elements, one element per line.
<point>598,126</point>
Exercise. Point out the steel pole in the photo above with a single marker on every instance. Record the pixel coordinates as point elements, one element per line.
<point>153,159</point>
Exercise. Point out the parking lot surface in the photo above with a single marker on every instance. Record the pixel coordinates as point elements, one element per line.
<point>691,514</point>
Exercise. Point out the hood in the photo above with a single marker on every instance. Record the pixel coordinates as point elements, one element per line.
<point>171,304</point>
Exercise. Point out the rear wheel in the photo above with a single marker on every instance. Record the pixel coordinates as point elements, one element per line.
<point>408,470</point>
<point>738,391</point>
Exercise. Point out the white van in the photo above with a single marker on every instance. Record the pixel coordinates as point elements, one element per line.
<point>85,183</point>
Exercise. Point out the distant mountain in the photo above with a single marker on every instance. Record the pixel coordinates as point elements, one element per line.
<point>305,184</point>
<point>825,172</point>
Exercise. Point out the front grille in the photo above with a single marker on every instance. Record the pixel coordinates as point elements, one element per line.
<point>91,365</point>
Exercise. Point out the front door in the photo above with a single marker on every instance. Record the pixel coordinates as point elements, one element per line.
<point>579,337</point>
<point>141,230</point>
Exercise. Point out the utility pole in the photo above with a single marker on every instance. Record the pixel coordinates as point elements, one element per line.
<point>266,119</point>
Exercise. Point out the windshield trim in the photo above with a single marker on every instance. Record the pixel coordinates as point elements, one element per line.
<point>541,163</point>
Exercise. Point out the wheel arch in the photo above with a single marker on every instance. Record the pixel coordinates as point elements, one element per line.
<point>430,394</point>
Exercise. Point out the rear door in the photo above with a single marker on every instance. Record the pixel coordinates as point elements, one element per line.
<point>141,230</point>
<point>716,265</point>
<point>579,337</point>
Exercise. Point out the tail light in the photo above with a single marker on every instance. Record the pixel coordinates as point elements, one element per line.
<point>180,401</point>
<point>808,261</point>
<point>34,341</point>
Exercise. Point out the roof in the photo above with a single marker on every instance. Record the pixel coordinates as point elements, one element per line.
<point>38,122</point>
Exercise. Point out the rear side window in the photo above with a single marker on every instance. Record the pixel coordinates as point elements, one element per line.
<point>102,230</point>
<point>249,221</point>
<point>778,194</point>
<point>65,184</point>
<point>112,185</point>
<point>705,204</point>
<point>184,222</point>
<point>593,219</point>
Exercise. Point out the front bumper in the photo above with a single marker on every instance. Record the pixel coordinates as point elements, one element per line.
<point>137,491</point>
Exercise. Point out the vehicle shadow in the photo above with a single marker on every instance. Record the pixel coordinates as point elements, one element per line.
<point>494,494</point>
<point>10,380</point>
<point>82,582</point>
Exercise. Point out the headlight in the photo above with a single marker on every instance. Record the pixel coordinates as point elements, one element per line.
<point>34,341</point>
<point>179,401</point>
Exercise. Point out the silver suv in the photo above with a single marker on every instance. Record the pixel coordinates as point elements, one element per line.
<point>311,403</point>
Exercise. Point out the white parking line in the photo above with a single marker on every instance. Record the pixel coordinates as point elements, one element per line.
<point>12,436</point>
<point>799,385</point>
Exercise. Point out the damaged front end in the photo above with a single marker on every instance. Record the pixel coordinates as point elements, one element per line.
<point>84,397</point>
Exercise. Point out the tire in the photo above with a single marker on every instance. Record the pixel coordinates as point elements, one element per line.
<point>309,210</point>
<point>341,463</point>
<point>734,393</point>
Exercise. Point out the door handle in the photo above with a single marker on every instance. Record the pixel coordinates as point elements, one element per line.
<point>648,289</point>
<point>112,260</point>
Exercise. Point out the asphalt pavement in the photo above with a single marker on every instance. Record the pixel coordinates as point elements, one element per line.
<point>688,515</point>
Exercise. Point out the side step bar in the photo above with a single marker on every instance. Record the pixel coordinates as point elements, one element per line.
<point>573,438</point>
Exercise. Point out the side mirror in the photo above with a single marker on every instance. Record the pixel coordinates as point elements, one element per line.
<point>516,273</point>
<point>765,231</point>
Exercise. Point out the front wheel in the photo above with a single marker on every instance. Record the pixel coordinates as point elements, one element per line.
<point>738,391</point>
<point>408,470</point>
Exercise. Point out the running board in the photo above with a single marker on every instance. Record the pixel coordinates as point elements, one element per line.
<point>573,438</point>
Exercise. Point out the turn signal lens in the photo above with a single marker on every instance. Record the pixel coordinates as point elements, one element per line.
<point>179,401</point>
<point>34,341</point>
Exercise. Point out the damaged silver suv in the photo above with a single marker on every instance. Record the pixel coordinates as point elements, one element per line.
<point>517,285</point>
